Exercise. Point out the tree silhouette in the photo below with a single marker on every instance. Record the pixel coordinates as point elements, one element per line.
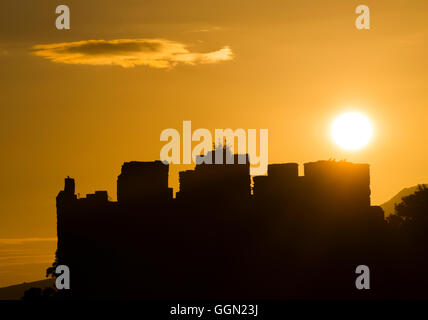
<point>414,208</point>
<point>395,221</point>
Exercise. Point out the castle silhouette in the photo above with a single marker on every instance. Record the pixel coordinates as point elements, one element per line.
<point>282,236</point>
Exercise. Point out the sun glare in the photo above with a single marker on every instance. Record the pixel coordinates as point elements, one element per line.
<point>351,131</point>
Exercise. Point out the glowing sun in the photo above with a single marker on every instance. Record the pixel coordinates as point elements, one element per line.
<point>352,131</point>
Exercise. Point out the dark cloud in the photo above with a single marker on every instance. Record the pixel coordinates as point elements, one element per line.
<point>156,53</point>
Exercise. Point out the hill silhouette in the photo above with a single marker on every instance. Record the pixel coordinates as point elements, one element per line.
<point>389,206</point>
<point>16,292</point>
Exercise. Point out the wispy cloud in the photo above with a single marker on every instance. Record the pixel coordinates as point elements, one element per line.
<point>156,53</point>
<point>25,259</point>
<point>24,240</point>
<point>208,29</point>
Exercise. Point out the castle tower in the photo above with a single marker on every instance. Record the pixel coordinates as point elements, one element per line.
<point>69,186</point>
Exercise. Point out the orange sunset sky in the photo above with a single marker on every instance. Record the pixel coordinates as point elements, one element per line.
<point>71,106</point>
